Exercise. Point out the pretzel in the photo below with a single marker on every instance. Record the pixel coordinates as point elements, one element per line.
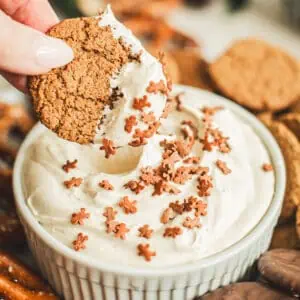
<point>158,34</point>
<point>13,120</point>
<point>17,282</point>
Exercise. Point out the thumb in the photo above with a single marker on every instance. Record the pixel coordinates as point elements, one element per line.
<point>24,50</point>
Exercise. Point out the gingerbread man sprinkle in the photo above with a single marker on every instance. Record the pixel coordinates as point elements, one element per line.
<point>74,182</point>
<point>79,243</point>
<point>70,165</point>
<point>106,185</point>
<point>145,232</point>
<point>121,230</point>
<point>144,250</point>
<point>129,207</point>
<point>78,218</point>
<point>108,147</point>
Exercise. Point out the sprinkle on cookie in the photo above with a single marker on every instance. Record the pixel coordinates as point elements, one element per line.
<point>106,185</point>
<point>108,147</point>
<point>73,182</point>
<point>223,167</point>
<point>79,243</point>
<point>145,232</point>
<point>130,122</point>
<point>129,207</point>
<point>144,250</point>
<point>267,167</point>
<point>70,165</point>
<point>78,218</point>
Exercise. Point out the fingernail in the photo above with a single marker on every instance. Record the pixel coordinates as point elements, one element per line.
<point>52,52</point>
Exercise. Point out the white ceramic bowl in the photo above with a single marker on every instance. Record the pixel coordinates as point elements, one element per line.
<point>76,276</point>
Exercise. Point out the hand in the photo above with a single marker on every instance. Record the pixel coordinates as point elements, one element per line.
<point>24,49</point>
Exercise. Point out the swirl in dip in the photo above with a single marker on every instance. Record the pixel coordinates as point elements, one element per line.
<point>193,188</point>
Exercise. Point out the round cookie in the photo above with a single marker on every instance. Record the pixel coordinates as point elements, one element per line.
<point>281,267</point>
<point>290,148</point>
<point>257,75</point>
<point>193,68</point>
<point>292,121</point>
<point>70,100</point>
<point>245,291</point>
<point>285,236</point>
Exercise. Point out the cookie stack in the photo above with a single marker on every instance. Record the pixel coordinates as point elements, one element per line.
<point>278,268</point>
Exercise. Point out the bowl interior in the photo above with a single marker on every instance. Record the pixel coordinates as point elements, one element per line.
<point>272,212</point>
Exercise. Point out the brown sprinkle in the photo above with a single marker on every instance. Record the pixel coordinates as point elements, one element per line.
<point>78,218</point>
<point>267,167</point>
<point>192,160</point>
<point>138,142</point>
<point>223,167</point>
<point>157,87</point>
<point>70,165</point>
<point>128,206</point>
<point>145,232</point>
<point>192,223</point>
<point>172,232</point>
<point>148,118</point>
<point>74,182</point>
<point>141,103</point>
<point>109,214</point>
<point>205,185</point>
<point>111,226</point>
<point>211,111</point>
<point>106,185</point>
<point>121,230</point>
<point>144,250</point>
<point>200,208</point>
<point>148,176</point>
<point>130,122</point>
<point>135,186</point>
<point>167,215</point>
<point>79,243</point>
<point>108,147</point>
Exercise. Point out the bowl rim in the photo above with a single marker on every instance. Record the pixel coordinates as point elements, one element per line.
<point>271,213</point>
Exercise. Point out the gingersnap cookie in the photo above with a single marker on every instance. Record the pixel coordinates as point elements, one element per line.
<point>295,108</point>
<point>292,121</point>
<point>246,291</point>
<point>101,96</point>
<point>285,236</point>
<point>281,267</point>
<point>298,222</point>
<point>290,148</point>
<point>193,68</point>
<point>257,75</point>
